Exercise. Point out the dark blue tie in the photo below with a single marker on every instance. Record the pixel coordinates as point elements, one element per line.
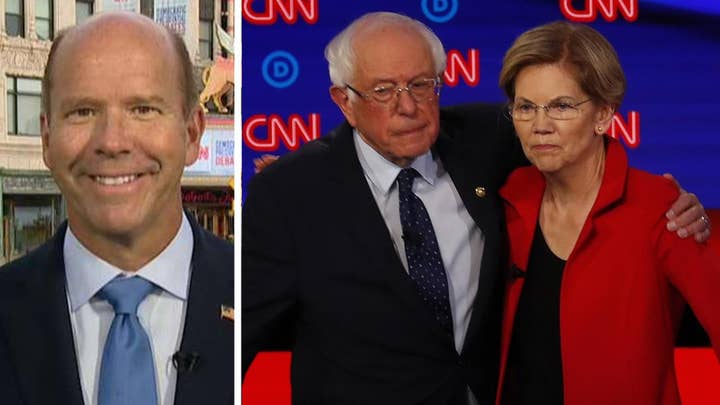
<point>127,371</point>
<point>425,265</point>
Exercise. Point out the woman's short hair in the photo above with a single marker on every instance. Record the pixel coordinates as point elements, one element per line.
<point>592,59</point>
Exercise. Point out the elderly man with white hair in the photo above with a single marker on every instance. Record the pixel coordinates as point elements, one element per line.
<point>377,254</point>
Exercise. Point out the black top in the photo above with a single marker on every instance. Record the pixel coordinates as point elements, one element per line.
<point>534,367</point>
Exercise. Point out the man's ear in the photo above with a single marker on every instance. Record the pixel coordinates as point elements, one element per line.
<point>341,97</point>
<point>45,136</point>
<point>194,129</point>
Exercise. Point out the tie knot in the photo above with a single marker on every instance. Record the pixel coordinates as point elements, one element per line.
<point>126,293</point>
<point>406,177</point>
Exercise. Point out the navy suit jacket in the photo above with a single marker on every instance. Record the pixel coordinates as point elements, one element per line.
<point>37,353</point>
<point>320,275</point>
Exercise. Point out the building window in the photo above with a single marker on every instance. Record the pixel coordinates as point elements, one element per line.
<point>29,221</point>
<point>207,13</point>
<point>83,10</point>
<point>224,22</point>
<point>14,18</point>
<point>44,19</point>
<point>147,8</point>
<point>23,104</point>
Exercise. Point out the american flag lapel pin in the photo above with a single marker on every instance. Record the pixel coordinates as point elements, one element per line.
<point>227,312</point>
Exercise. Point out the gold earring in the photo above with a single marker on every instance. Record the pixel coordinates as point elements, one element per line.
<point>600,129</point>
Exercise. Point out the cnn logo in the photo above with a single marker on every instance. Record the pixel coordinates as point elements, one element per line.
<point>627,130</point>
<point>459,66</point>
<point>266,133</point>
<point>608,9</point>
<point>288,10</point>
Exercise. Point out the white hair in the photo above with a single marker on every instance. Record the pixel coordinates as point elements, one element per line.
<point>341,56</point>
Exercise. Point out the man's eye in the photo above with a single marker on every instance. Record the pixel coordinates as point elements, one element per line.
<point>144,110</point>
<point>383,90</point>
<point>422,85</point>
<point>81,113</point>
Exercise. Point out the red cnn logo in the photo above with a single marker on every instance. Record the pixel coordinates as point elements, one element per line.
<point>287,9</point>
<point>458,65</point>
<point>277,130</point>
<point>629,130</point>
<point>607,8</point>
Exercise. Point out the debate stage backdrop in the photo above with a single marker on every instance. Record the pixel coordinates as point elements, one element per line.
<point>670,50</point>
<point>669,121</point>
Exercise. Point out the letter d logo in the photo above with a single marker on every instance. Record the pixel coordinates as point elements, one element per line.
<point>439,11</point>
<point>280,69</point>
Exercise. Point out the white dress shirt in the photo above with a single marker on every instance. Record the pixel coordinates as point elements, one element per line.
<point>461,242</point>
<point>162,313</point>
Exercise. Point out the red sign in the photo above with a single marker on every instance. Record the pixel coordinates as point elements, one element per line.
<point>608,9</point>
<point>288,10</point>
<point>277,130</point>
<point>629,130</point>
<point>221,197</point>
<point>458,65</point>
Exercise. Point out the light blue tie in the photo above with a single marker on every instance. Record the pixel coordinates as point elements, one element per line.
<point>127,372</point>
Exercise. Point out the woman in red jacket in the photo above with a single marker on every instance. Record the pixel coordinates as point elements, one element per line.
<point>598,285</point>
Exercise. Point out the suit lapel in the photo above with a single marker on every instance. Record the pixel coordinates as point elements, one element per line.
<point>38,329</point>
<point>363,220</point>
<point>474,182</point>
<point>205,333</point>
<point>357,207</point>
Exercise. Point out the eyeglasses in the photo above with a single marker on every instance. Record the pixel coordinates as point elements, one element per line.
<point>557,110</point>
<point>420,90</point>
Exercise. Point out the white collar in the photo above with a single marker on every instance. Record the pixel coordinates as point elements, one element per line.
<point>87,273</point>
<point>382,172</point>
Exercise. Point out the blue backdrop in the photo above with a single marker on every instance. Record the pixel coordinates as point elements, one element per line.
<point>670,50</point>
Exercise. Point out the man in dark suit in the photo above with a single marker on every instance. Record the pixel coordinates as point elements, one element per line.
<point>123,305</point>
<point>341,239</point>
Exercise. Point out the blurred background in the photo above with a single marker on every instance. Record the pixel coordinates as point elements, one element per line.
<point>31,206</point>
